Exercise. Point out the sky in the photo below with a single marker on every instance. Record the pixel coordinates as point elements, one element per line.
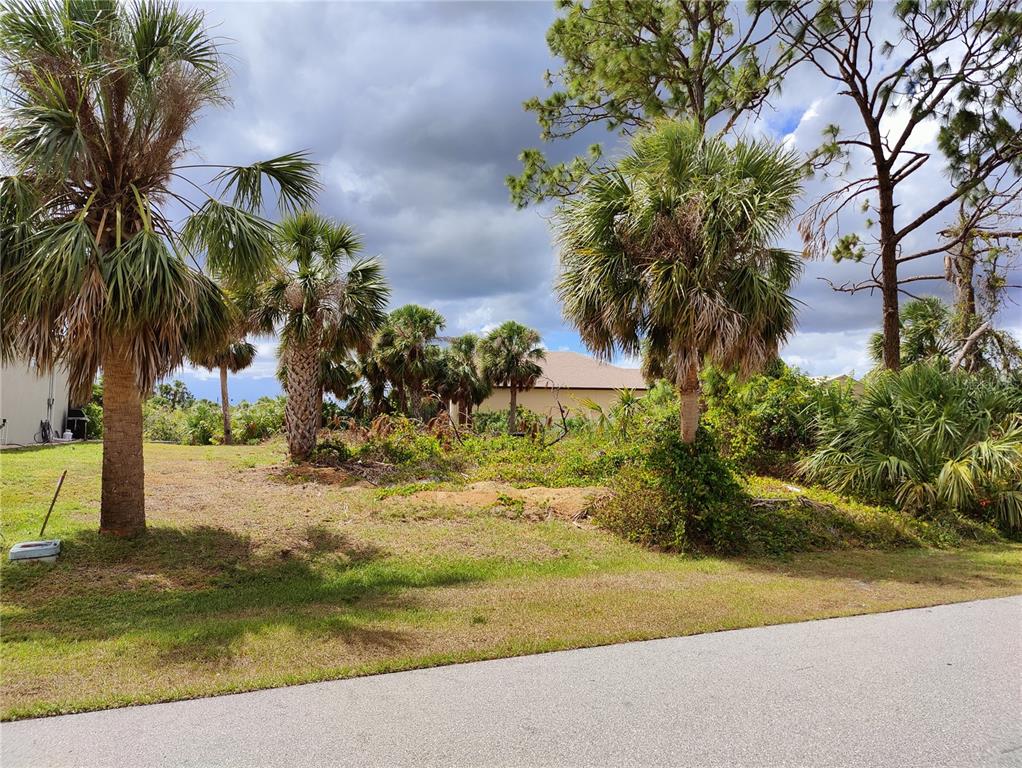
<point>413,112</point>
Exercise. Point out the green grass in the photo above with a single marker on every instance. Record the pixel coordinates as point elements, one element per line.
<point>257,574</point>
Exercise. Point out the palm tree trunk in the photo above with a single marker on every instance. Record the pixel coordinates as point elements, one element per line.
<point>300,411</point>
<point>122,505</point>
<point>225,405</point>
<point>512,411</point>
<point>688,394</point>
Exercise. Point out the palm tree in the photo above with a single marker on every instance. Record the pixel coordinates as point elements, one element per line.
<point>511,356</point>
<point>320,306</point>
<point>95,272</point>
<point>408,353</point>
<point>233,357</point>
<point>669,254</point>
<point>464,382</point>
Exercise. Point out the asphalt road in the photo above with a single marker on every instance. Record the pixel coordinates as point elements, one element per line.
<point>927,687</point>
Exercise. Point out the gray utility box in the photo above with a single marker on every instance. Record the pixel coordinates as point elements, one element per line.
<point>35,552</point>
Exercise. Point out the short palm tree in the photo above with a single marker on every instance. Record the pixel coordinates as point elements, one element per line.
<point>96,269</point>
<point>319,303</point>
<point>233,357</point>
<point>668,253</point>
<point>406,348</point>
<point>464,383</point>
<point>511,358</point>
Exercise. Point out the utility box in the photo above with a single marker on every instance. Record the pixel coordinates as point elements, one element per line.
<point>35,552</point>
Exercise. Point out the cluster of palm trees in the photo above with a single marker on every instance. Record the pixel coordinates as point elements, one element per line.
<point>101,271</point>
<point>668,252</point>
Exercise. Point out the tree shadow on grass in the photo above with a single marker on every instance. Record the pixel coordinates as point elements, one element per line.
<point>195,593</point>
<point>953,568</point>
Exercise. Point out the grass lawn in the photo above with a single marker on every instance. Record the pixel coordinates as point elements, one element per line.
<point>254,574</point>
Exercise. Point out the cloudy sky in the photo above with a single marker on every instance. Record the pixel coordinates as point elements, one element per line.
<point>413,112</point>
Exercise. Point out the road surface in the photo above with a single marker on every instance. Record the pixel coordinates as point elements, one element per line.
<point>927,687</point>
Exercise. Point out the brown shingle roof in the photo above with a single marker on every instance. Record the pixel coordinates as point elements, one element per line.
<point>570,370</point>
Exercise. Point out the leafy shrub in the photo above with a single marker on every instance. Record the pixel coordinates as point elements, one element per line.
<point>667,491</point>
<point>253,422</point>
<point>204,424</point>
<point>332,452</point>
<point>929,441</point>
<point>94,413</point>
<point>163,423</point>
<point>403,443</point>
<point>765,423</point>
<point>495,422</point>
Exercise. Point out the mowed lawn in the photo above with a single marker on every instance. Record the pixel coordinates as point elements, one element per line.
<point>256,574</point>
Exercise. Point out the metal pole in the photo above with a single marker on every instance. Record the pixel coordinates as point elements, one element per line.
<point>55,494</point>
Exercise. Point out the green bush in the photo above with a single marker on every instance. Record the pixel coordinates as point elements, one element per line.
<point>254,422</point>
<point>930,441</point>
<point>204,423</point>
<point>495,422</point>
<point>668,492</point>
<point>765,423</point>
<point>94,413</point>
<point>416,453</point>
<point>163,423</point>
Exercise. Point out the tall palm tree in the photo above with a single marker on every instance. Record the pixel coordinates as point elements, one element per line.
<point>669,253</point>
<point>319,304</point>
<point>511,358</point>
<point>95,272</point>
<point>407,350</point>
<point>233,357</point>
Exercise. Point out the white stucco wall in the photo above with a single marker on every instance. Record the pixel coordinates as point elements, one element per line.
<point>23,396</point>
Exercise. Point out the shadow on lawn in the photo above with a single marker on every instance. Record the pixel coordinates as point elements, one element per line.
<point>956,568</point>
<point>194,593</point>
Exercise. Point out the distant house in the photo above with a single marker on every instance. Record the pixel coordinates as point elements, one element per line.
<point>569,378</point>
<point>28,397</point>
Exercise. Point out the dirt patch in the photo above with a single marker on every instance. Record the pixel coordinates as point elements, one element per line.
<point>532,503</point>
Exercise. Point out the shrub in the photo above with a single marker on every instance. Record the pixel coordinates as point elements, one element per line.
<point>204,423</point>
<point>930,441</point>
<point>94,413</point>
<point>252,422</point>
<point>667,491</point>
<point>163,423</point>
<point>765,423</point>
<point>495,422</point>
<point>403,442</point>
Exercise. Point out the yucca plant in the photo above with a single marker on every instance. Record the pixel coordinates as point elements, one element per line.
<point>102,225</point>
<point>930,441</point>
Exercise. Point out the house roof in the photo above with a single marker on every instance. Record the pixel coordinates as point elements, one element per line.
<point>570,370</point>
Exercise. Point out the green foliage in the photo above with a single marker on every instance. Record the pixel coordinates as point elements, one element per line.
<point>162,423</point>
<point>625,65</point>
<point>404,443</point>
<point>94,413</point>
<point>929,441</point>
<point>495,422</point>
<point>765,423</point>
<point>175,394</point>
<point>670,253</point>
<point>203,423</point>
<point>254,422</point>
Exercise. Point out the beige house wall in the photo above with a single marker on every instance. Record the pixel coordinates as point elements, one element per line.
<point>23,396</point>
<point>543,401</point>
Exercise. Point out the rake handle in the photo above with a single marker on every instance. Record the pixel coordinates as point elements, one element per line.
<point>56,493</point>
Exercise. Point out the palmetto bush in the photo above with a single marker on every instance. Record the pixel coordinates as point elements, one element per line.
<point>930,441</point>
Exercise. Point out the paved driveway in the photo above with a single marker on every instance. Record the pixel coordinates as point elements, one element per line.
<point>925,687</point>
